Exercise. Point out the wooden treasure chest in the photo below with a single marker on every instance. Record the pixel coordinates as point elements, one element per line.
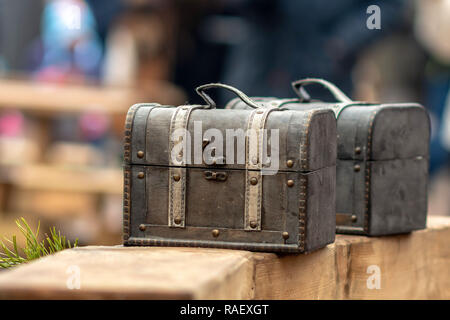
<point>260,179</point>
<point>382,165</point>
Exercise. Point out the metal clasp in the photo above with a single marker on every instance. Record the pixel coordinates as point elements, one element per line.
<point>216,176</point>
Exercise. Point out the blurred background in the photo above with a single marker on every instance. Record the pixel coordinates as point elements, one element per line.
<point>70,69</point>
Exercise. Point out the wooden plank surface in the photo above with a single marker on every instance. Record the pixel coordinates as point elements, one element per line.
<point>63,178</point>
<point>136,273</point>
<point>52,99</point>
<point>413,266</point>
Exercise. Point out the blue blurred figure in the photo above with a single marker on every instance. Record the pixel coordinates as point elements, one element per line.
<point>70,43</point>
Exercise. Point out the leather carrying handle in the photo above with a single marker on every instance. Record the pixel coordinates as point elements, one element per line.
<point>299,89</point>
<point>212,105</point>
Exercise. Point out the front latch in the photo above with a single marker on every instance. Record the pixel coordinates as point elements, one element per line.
<point>216,176</point>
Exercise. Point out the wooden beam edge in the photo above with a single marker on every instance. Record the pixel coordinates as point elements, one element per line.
<point>413,266</point>
<point>228,275</point>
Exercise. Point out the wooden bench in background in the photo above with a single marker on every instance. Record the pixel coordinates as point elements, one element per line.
<point>64,180</point>
<point>413,266</point>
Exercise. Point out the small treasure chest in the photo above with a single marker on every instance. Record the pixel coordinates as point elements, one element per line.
<point>260,179</point>
<point>382,165</point>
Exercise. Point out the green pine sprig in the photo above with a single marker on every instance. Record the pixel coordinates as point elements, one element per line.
<point>34,248</point>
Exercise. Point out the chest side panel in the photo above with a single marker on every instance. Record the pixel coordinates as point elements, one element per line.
<point>400,132</point>
<point>398,196</point>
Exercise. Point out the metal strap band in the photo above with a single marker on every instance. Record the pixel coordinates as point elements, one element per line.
<point>253,166</point>
<point>277,103</point>
<point>177,169</point>
<point>338,108</point>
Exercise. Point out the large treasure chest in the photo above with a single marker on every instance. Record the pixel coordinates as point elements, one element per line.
<point>259,179</point>
<point>382,165</point>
